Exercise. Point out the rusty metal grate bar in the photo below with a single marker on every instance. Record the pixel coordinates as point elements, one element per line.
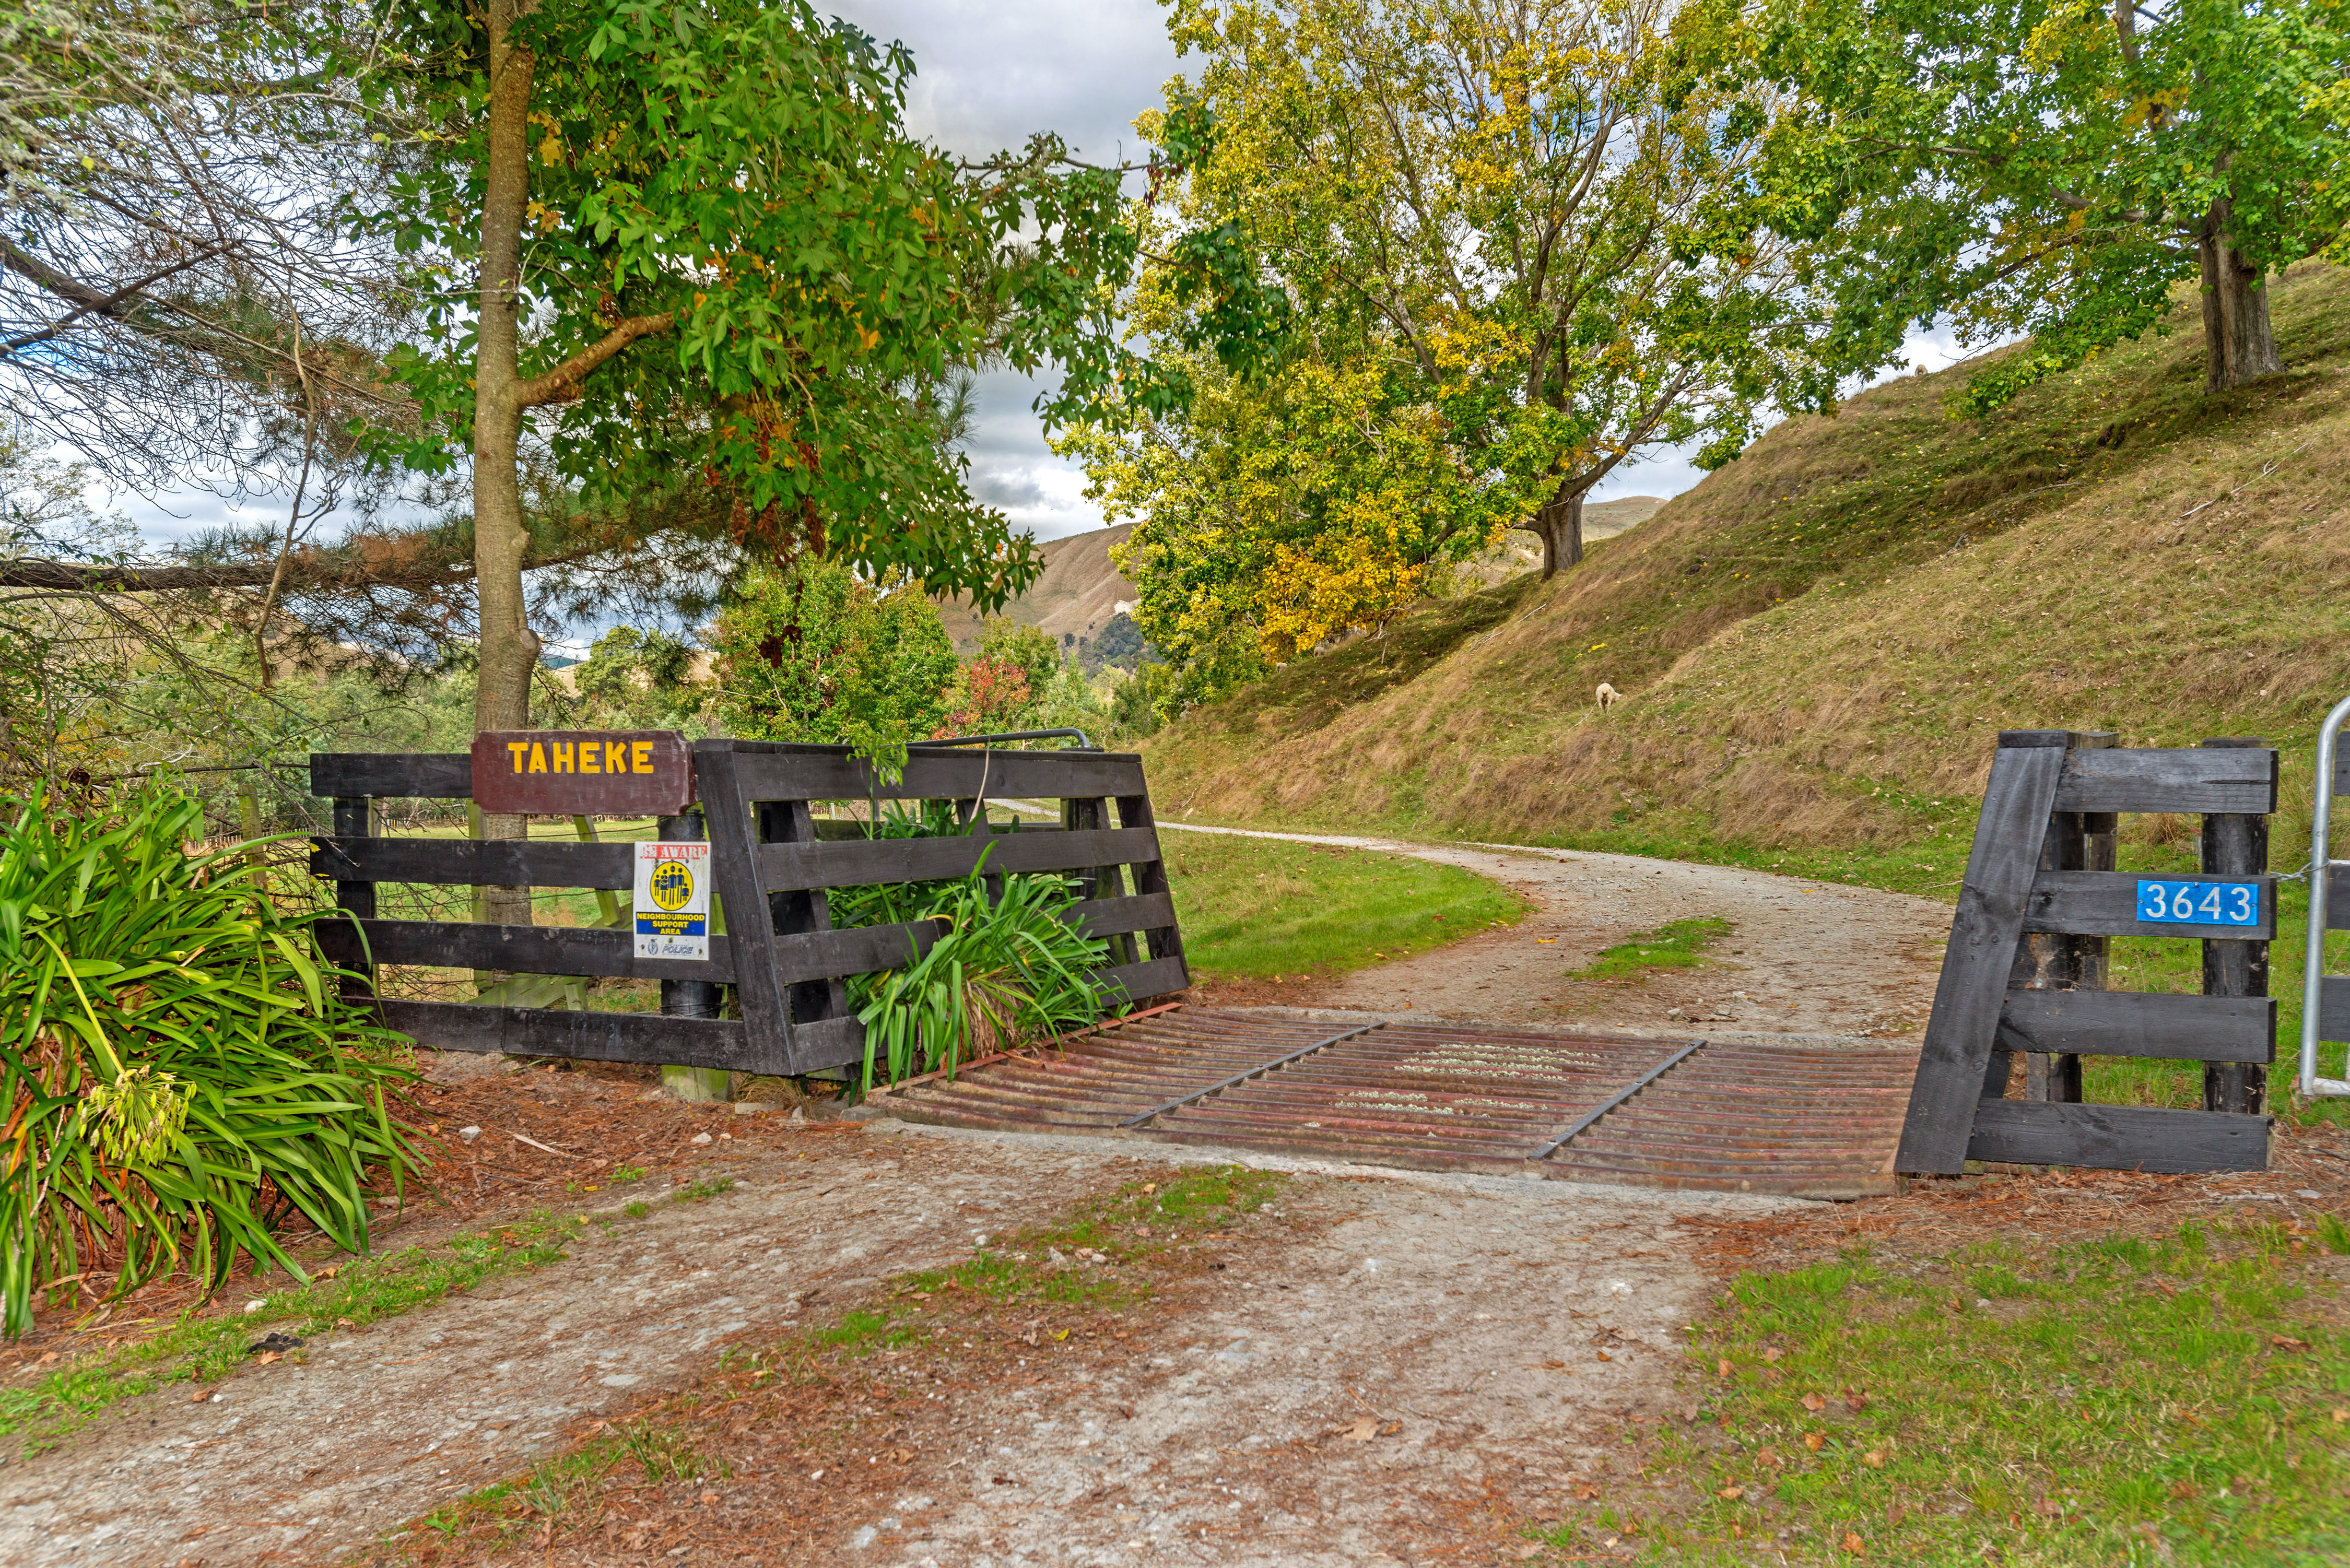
<point>1646,1078</point>
<point>1815,1121</point>
<point>1252,1073</point>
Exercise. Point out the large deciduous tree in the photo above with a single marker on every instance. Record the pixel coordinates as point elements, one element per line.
<point>1523,244</point>
<point>692,241</point>
<point>2057,168</point>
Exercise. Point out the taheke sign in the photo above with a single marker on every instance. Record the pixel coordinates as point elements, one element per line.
<point>578,772</point>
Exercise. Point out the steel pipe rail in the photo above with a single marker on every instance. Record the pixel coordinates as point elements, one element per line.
<point>2321,864</point>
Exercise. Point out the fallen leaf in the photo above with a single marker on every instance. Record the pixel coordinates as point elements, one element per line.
<point>1853,1544</point>
<point>1364,1430</point>
<point>200,1396</point>
<point>266,1358</point>
<point>1856,1403</point>
<point>2047,1508</point>
<point>1874,1459</point>
<point>2287,1341</point>
<point>1530,1549</point>
<point>1732,1493</point>
<point>1813,1402</point>
<point>1768,1456</point>
<point>709,1497</point>
<point>1554,1365</point>
<point>2341,1415</point>
<point>1814,1441</point>
<point>1604,1357</point>
<point>1774,1354</point>
<point>1725,1367</point>
<point>1391,1429</point>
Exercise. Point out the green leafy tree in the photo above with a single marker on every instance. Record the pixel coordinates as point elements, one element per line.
<point>2057,169</point>
<point>695,239</point>
<point>815,653</point>
<point>637,680</point>
<point>1521,243</point>
<point>1134,702</point>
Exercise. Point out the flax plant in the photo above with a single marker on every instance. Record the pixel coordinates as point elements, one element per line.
<point>180,1075</point>
<point>1008,968</point>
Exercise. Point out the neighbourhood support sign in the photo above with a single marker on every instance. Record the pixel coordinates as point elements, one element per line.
<point>672,900</point>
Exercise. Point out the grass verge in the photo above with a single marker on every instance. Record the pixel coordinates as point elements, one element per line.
<point>1257,909</point>
<point>2183,1399</point>
<point>854,1391</point>
<point>205,1349</point>
<point>1676,944</point>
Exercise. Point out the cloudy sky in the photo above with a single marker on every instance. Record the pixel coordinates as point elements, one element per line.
<point>987,76</point>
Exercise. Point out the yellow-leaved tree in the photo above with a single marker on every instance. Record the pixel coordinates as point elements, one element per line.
<point>1519,244</point>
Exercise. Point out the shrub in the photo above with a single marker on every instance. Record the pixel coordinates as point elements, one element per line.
<point>814,653</point>
<point>1002,973</point>
<point>179,1073</point>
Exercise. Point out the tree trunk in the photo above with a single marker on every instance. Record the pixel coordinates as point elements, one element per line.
<point>2238,344</point>
<point>1559,526</point>
<point>509,648</point>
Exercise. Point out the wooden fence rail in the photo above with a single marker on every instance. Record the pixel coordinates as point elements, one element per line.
<point>774,865</point>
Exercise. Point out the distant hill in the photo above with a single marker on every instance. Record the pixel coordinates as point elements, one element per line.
<point>1075,598</point>
<point>1821,640</point>
<point>1080,590</point>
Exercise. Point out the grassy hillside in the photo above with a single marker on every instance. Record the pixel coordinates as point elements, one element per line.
<point>1821,640</point>
<point>1075,595</point>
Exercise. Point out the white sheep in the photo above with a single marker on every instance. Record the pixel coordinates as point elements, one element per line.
<point>1609,696</point>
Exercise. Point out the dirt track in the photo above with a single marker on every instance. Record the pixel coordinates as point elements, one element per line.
<point>1802,957</point>
<point>1494,1329</point>
<point>1500,1323</point>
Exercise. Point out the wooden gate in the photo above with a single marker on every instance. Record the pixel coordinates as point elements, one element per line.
<point>2025,971</point>
<point>769,853</point>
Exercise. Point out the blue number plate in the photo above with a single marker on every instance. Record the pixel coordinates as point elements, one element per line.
<point>2200,903</point>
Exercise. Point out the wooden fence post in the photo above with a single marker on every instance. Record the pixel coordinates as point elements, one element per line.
<point>2046,960</point>
<point>2235,845</point>
<point>691,998</point>
<point>355,818</point>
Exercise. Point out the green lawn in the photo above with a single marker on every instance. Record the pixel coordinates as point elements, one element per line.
<point>1256,908</point>
<point>2179,1400</point>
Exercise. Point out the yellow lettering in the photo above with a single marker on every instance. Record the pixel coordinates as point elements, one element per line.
<point>562,756</point>
<point>517,748</point>
<point>537,758</point>
<point>616,756</point>
<point>590,756</point>
<point>644,750</point>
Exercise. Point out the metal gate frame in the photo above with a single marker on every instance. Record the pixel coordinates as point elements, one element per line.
<point>2325,998</point>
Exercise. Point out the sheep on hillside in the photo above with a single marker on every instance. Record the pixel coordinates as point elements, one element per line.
<point>1609,696</point>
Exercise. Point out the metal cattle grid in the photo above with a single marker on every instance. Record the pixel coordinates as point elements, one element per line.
<point>1455,1097</point>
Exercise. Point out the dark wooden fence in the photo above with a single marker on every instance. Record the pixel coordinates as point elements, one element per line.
<point>2026,967</point>
<point>769,855</point>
